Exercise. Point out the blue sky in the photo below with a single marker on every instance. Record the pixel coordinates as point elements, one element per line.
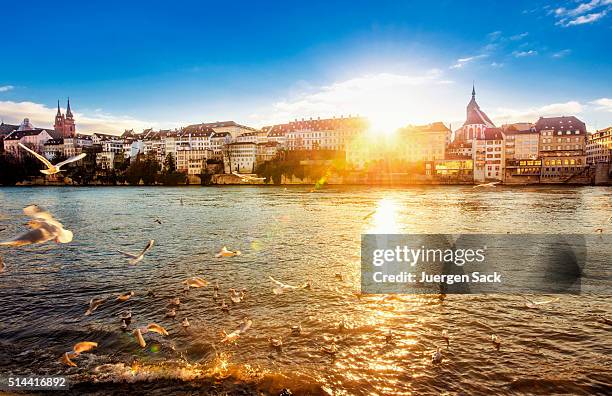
<point>164,64</point>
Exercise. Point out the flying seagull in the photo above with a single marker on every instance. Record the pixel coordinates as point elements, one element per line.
<point>77,349</point>
<point>135,259</point>
<point>491,184</point>
<point>94,303</point>
<point>51,169</point>
<point>152,327</point>
<point>534,304</point>
<point>234,335</point>
<point>227,253</point>
<point>43,228</point>
<point>281,287</point>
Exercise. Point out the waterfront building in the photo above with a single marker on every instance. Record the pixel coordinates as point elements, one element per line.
<point>240,157</point>
<point>266,151</point>
<point>327,134</point>
<point>522,141</point>
<point>488,155</point>
<point>417,143</point>
<point>452,170</point>
<point>459,149</point>
<point>562,148</point>
<point>599,146</point>
<point>218,141</point>
<point>106,159</point>
<point>192,161</point>
<point>231,127</point>
<point>277,133</point>
<point>53,148</point>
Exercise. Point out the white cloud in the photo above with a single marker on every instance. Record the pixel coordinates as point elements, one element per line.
<point>463,61</point>
<point>584,13</point>
<point>519,36</point>
<point>562,53</point>
<point>506,115</point>
<point>43,117</point>
<point>523,54</point>
<point>387,100</point>
<point>6,88</point>
<point>497,64</point>
<point>583,19</point>
<point>604,104</point>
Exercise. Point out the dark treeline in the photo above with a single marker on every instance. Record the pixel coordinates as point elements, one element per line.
<point>143,169</point>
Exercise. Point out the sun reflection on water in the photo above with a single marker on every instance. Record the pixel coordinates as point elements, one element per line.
<point>385,218</point>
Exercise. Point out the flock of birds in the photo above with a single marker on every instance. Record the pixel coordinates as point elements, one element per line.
<point>44,227</point>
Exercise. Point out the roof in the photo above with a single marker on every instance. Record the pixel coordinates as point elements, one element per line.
<point>560,123</point>
<point>493,134</point>
<point>5,129</point>
<point>316,125</point>
<point>218,124</point>
<point>433,127</point>
<point>476,116</point>
<point>518,128</point>
<point>221,134</point>
<point>17,135</point>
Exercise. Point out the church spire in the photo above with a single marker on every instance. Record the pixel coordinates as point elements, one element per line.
<point>59,113</point>
<point>473,91</point>
<point>68,111</point>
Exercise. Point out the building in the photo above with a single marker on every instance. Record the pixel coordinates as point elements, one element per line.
<point>599,146</point>
<point>454,169</point>
<point>327,134</point>
<point>28,135</point>
<point>277,133</point>
<point>231,127</point>
<point>488,155</point>
<point>459,149</point>
<point>522,141</point>
<point>240,157</point>
<point>562,148</point>
<point>476,122</point>
<point>192,162</point>
<point>5,129</point>
<point>417,143</point>
<point>266,152</point>
<point>106,160</point>
<point>64,125</point>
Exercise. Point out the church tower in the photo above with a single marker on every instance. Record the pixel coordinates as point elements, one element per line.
<point>59,122</point>
<point>64,125</point>
<point>69,127</point>
<point>476,121</point>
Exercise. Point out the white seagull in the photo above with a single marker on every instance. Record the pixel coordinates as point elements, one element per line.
<point>51,169</point>
<point>234,335</point>
<point>227,253</point>
<point>77,349</point>
<point>281,287</point>
<point>491,184</point>
<point>531,304</point>
<point>134,259</point>
<point>43,228</point>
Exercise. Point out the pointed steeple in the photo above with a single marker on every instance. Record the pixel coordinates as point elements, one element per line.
<point>473,91</point>
<point>68,112</point>
<point>59,113</point>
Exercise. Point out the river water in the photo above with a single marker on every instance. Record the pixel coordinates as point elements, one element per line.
<point>294,235</point>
